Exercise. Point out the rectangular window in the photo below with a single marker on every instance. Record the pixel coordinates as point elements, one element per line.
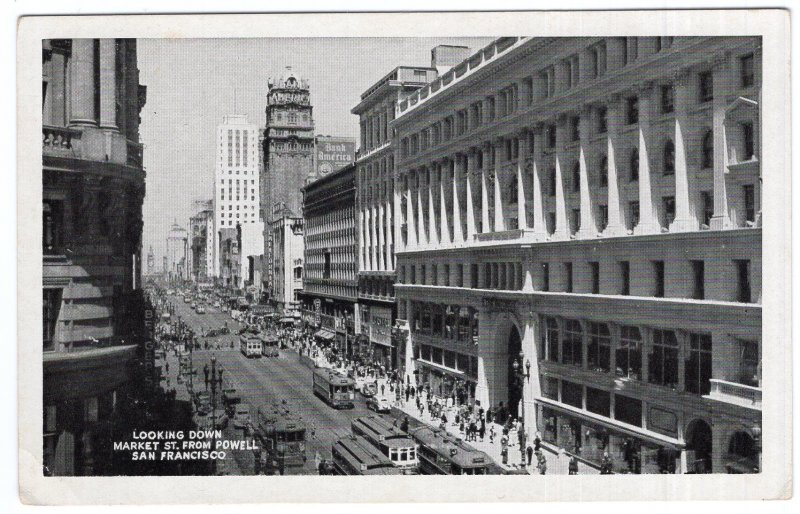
<point>663,359</point>
<point>545,276</point>
<point>575,128</point>
<point>747,67</point>
<point>568,275</point>
<point>595,270</point>
<point>552,188</point>
<point>575,221</point>
<point>697,374</point>
<point>707,200</point>
<point>599,351</point>
<point>551,222</point>
<point>668,204</point>
<point>602,119</point>
<point>572,394</point>
<point>748,141</point>
<point>625,273</point>
<point>598,402</point>
<point>326,269</point>
<point>550,340</point>
<point>52,226</point>
<point>743,274</point>
<point>658,272</point>
<point>602,211</point>
<point>667,99</point>
<point>632,110</point>
<point>629,354</point>
<point>628,410</point>
<point>706,86</point>
<point>699,276</point>
<point>473,270</point>
<point>51,307</point>
<point>551,136</point>
<point>633,211</point>
<point>572,344</point>
<point>749,194</point>
<point>749,364</point>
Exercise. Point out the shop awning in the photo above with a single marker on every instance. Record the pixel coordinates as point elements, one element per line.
<point>324,334</point>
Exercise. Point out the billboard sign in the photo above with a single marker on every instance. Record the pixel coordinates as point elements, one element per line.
<point>334,153</point>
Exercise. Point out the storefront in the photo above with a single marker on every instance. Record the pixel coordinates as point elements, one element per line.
<point>590,439</point>
<point>376,329</point>
<point>445,383</point>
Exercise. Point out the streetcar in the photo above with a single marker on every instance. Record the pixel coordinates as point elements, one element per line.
<point>250,345</point>
<point>441,454</point>
<point>269,346</point>
<point>282,435</point>
<point>390,440</point>
<point>354,455</point>
<point>337,390</point>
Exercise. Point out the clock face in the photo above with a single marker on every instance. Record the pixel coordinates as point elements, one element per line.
<point>325,168</point>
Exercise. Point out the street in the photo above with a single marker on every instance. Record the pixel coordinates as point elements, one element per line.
<point>265,380</point>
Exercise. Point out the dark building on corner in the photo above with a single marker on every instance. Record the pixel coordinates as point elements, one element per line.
<point>93,188</point>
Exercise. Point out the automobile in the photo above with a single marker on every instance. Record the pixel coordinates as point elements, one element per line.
<point>216,304</point>
<point>368,389</point>
<point>186,299</point>
<point>241,416</point>
<point>379,404</point>
<point>200,309</point>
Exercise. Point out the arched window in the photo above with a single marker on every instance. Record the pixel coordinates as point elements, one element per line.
<point>669,157</point>
<point>576,177</point>
<point>634,165</point>
<point>708,150</point>
<point>603,171</point>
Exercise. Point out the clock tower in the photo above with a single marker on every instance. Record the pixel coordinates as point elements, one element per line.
<point>288,150</point>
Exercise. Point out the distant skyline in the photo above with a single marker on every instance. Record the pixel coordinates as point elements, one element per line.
<point>193,83</point>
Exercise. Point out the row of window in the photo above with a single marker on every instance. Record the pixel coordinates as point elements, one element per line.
<point>510,276</point>
<point>454,361</point>
<point>507,102</point>
<point>449,322</point>
<point>626,354</point>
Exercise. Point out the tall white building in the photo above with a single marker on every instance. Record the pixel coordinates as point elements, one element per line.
<point>236,187</point>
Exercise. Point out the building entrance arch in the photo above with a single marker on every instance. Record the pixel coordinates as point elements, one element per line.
<point>698,447</point>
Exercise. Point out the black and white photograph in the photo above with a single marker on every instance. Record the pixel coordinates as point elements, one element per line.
<point>523,253</point>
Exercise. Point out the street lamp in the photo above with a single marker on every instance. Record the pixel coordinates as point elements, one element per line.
<point>215,380</point>
<point>521,376</point>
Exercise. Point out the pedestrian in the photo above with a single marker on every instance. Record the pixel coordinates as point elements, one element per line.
<point>521,437</point>
<point>491,433</point>
<point>482,429</point>
<point>573,465</point>
<point>383,389</point>
<point>489,415</point>
<point>606,465</point>
<point>408,394</point>
<point>404,425</point>
<point>166,366</point>
<point>542,466</point>
<point>504,454</point>
<point>537,442</point>
<point>530,454</point>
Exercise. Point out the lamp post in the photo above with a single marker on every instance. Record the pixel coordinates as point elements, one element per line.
<point>214,380</point>
<point>521,377</point>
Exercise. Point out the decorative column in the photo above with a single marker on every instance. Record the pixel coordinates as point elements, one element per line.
<point>411,222</point>
<point>433,238</point>
<point>468,178</point>
<point>648,217</point>
<point>722,82</point>
<point>82,83</point>
<point>380,264</point>
<point>444,174</point>
<point>421,237</point>
<point>457,164</point>
<point>499,206</point>
<point>588,227</point>
<point>562,228</point>
<point>616,209</point>
<point>685,218</point>
<point>389,235</point>
<point>374,222</point>
<point>485,227</point>
<point>522,211</point>
<point>398,210</point>
<point>539,176</point>
<point>108,84</point>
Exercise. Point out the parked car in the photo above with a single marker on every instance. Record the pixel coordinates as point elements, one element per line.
<point>368,389</point>
<point>379,404</point>
<point>241,416</point>
<point>201,309</point>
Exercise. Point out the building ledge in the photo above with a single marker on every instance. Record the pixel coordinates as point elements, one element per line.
<point>94,357</point>
<point>735,393</point>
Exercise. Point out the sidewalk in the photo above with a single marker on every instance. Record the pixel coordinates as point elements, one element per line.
<point>557,463</point>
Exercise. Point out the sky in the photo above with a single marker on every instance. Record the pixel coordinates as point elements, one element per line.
<point>193,83</point>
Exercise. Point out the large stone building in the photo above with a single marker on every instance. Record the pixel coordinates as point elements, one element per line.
<point>330,285</point>
<point>201,228</point>
<point>287,241</point>
<point>237,188</point>
<point>577,231</point>
<point>375,197</point>
<point>93,188</point>
<point>178,249</point>
<point>288,154</point>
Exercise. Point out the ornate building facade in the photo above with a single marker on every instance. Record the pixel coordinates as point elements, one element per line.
<point>288,153</point>
<point>287,240</point>
<point>375,193</point>
<point>201,228</point>
<point>330,285</point>
<point>93,188</point>
<point>577,232</point>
